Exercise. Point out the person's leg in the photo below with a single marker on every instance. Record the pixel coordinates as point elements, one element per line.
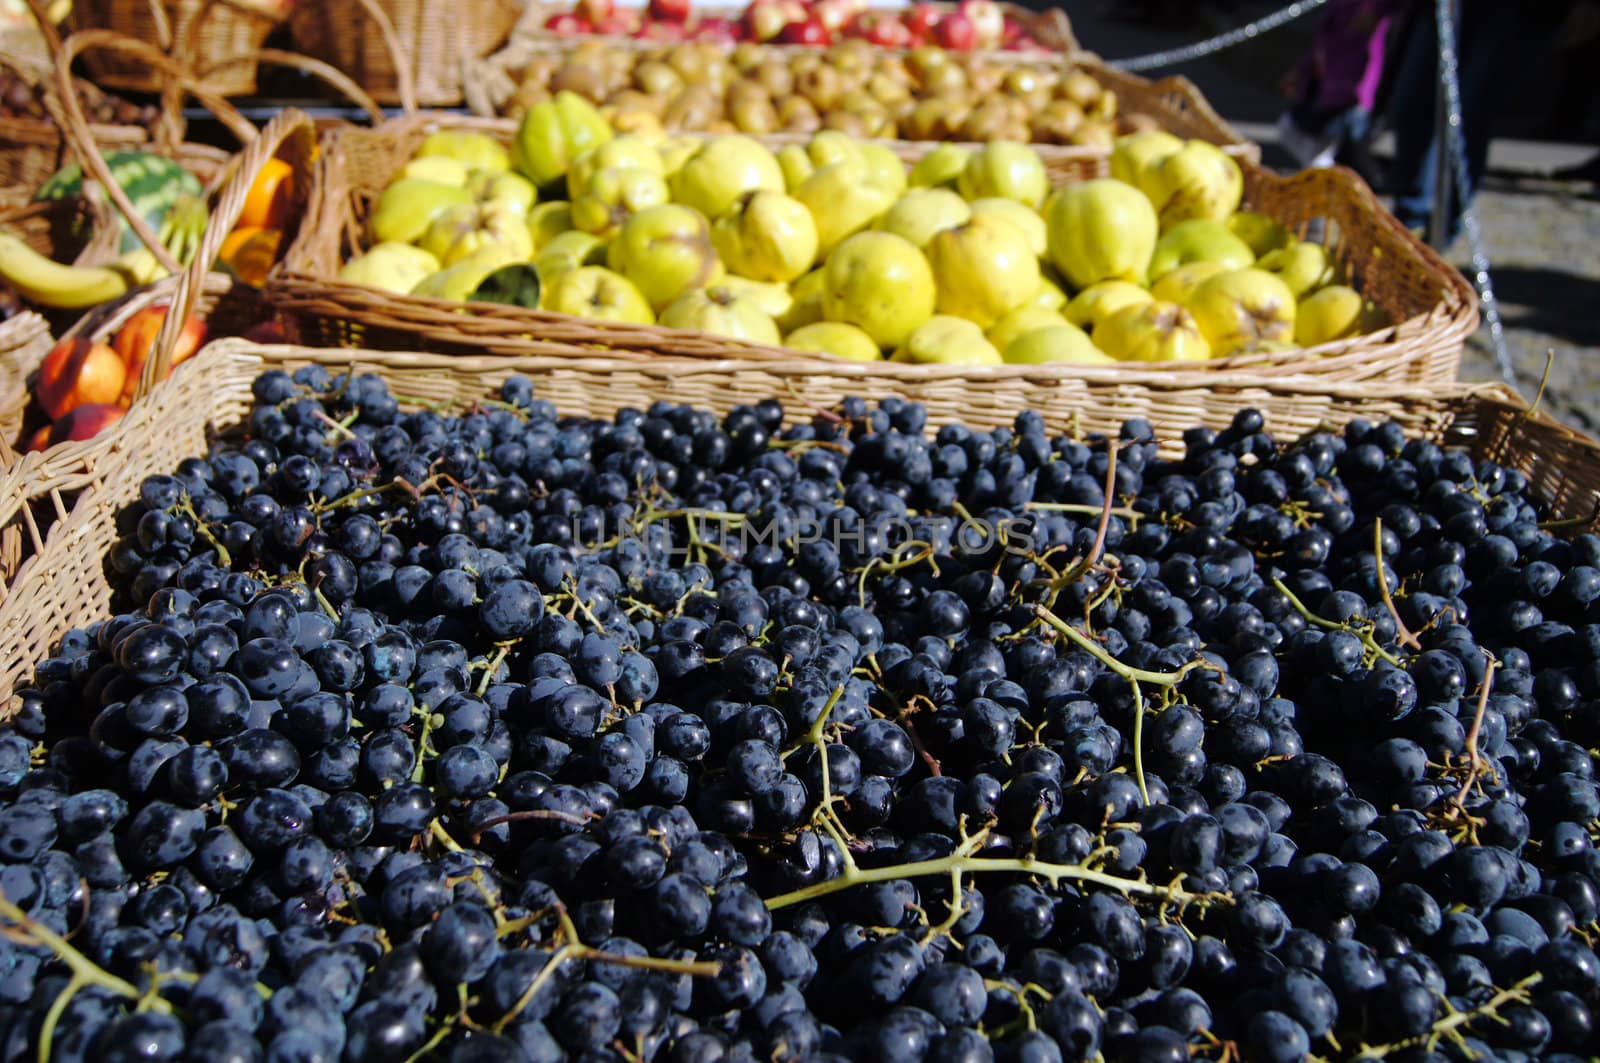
<point>1411,117</point>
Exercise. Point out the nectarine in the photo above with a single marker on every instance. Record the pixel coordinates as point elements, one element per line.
<point>138,335</point>
<point>76,372</point>
<point>84,422</point>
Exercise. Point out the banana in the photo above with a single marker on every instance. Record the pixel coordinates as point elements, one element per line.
<point>47,283</point>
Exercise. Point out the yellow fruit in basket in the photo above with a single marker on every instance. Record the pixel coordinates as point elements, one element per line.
<point>1262,233</point>
<point>506,189</point>
<point>1198,180</point>
<point>1331,313</point>
<point>614,195</point>
<point>1133,155</point>
<point>940,168</point>
<point>1025,218</point>
<point>666,250</point>
<point>774,300</point>
<point>477,151</point>
<point>1020,322</point>
<point>884,168</point>
<point>457,283</point>
<point>567,251</point>
<point>407,207</point>
<point>599,294</point>
<point>1152,332</point>
<point>1302,265</point>
<point>842,200</point>
<point>393,267</point>
<point>1100,230</point>
<point>767,236</point>
<point>553,133</point>
<point>677,151</point>
<point>463,231</point>
<point>795,165</point>
<point>946,340</point>
<point>549,220</point>
<point>1058,343</point>
<point>983,269</point>
<point>630,152</point>
<point>1198,240</point>
<point>920,213</point>
<point>1242,306</point>
<point>835,338</point>
<point>440,168</point>
<point>1006,169</point>
<point>805,307</point>
<point>1175,286</point>
<point>1050,294</point>
<point>880,283</point>
<point>721,311</point>
<point>725,168</point>
<point>1099,301</point>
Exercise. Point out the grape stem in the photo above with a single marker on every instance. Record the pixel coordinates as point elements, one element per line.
<point>1133,675</point>
<point>1474,758</point>
<point>1323,622</point>
<point>1454,1020</point>
<point>1403,634</point>
<point>578,951</point>
<point>83,969</point>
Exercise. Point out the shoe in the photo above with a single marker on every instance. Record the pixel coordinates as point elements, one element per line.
<point>1307,149</point>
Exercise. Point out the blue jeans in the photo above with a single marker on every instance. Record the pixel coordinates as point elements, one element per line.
<point>1490,39</point>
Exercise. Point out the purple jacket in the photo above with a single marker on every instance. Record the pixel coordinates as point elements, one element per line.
<point>1345,65</point>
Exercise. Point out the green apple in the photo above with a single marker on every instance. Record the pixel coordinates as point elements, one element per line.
<point>880,283</point>
<point>1020,322</point>
<point>1176,285</point>
<point>474,150</point>
<point>805,307</point>
<point>1005,169</point>
<point>1302,265</point>
<point>835,338</point>
<point>1099,301</point>
<point>884,167</point>
<point>721,311</point>
<point>666,250</point>
<point>1199,240</point>
<point>940,168</point>
<point>632,152</point>
<point>1058,343</point>
<point>1050,295</point>
<point>1241,307</point>
<point>393,267</point>
<point>725,168</point>
<point>946,340</point>
<point>1133,155</point>
<point>1152,332</point>
<point>1199,180</point>
<point>842,200</point>
<point>832,145</point>
<point>1262,233</point>
<point>919,213</point>
<point>456,283</point>
<point>506,189</point>
<point>601,294</point>
<point>1335,312</point>
<point>406,208</point>
<point>462,231</point>
<point>983,269</point>
<point>440,168</point>
<point>567,251</point>
<point>774,300</point>
<point>796,165</point>
<point>614,195</point>
<point>767,236</point>
<point>549,220</point>
<point>1029,220</point>
<point>1100,230</point>
<point>553,133</point>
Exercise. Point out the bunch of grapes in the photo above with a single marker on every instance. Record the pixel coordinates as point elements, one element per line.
<point>510,736</point>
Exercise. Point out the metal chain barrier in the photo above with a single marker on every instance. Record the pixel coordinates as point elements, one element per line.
<point>1249,31</point>
<point>1454,141</point>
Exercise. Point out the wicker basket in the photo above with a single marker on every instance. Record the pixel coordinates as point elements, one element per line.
<point>434,40</point>
<point>31,149</point>
<point>64,584</point>
<point>1050,28</point>
<point>1431,302</point>
<point>24,339</point>
<point>199,34</point>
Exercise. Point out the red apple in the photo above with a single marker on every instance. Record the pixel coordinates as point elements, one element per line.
<point>596,11</point>
<point>882,28</point>
<point>809,31</point>
<point>662,31</point>
<point>618,24</point>
<point>716,30</point>
<point>956,32</point>
<point>921,20</point>
<point>987,20</point>
<point>670,10</point>
<point>763,20</point>
<point>567,24</point>
<point>833,14</point>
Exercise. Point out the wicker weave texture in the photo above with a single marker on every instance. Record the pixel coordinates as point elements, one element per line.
<point>64,584</point>
<point>205,34</point>
<point>437,38</point>
<point>1431,304</point>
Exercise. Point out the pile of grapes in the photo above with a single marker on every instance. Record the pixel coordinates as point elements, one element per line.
<point>512,737</point>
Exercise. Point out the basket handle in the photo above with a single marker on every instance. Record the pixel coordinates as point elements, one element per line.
<point>76,127</point>
<point>397,53</point>
<point>327,73</point>
<point>281,130</point>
